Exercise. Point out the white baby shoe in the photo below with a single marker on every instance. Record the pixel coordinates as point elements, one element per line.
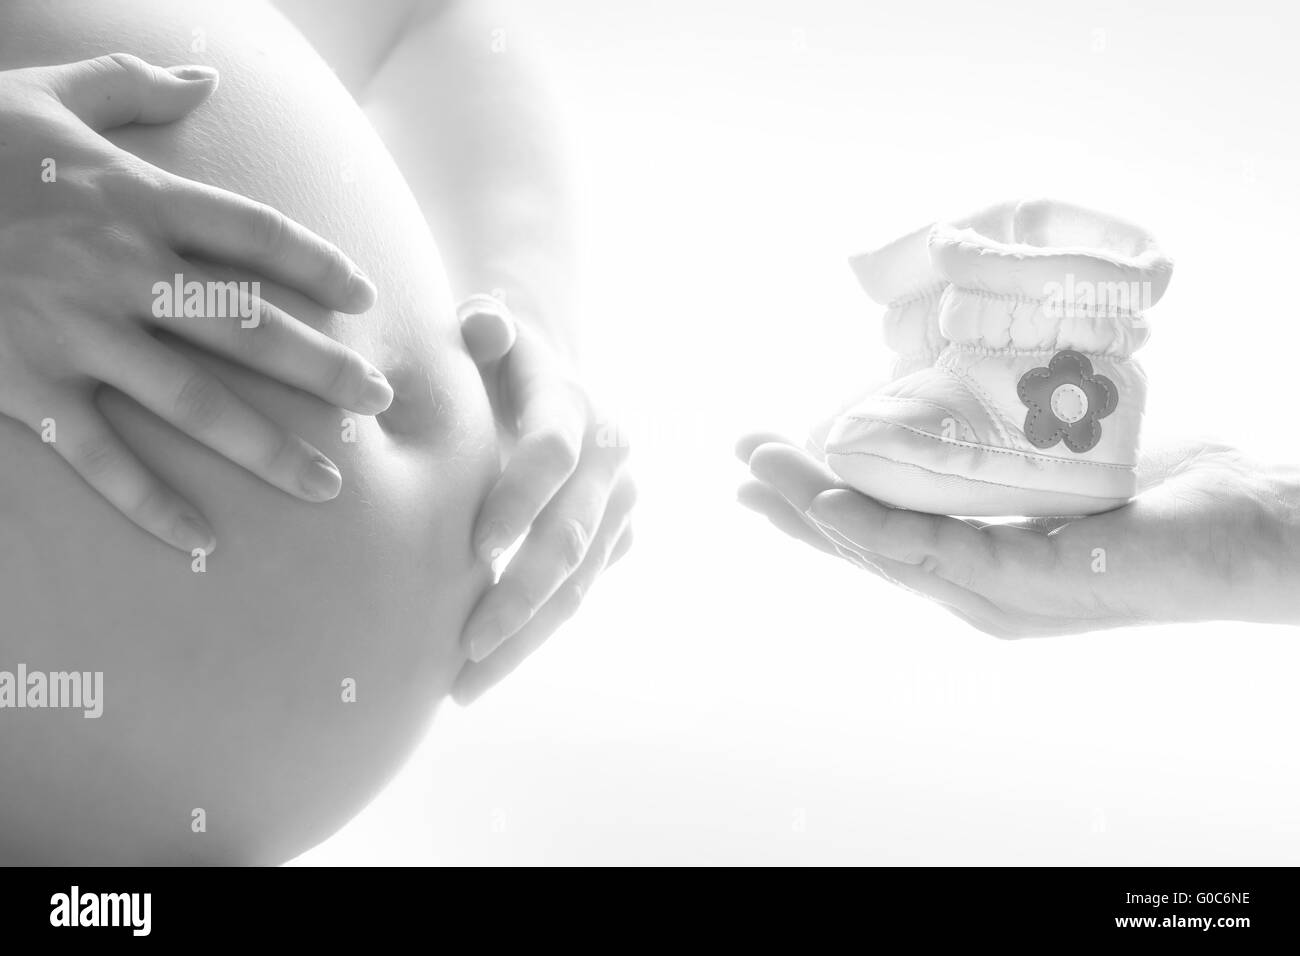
<point>901,277</point>
<point>1035,404</point>
<point>898,276</point>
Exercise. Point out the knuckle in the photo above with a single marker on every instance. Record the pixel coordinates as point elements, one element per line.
<point>164,188</point>
<point>568,599</point>
<point>150,193</point>
<point>126,62</point>
<point>201,401</point>
<point>112,243</point>
<point>123,175</point>
<point>557,450</point>
<point>252,340</point>
<point>522,600</point>
<point>572,539</point>
<point>340,372</point>
<point>283,448</point>
<point>96,456</point>
<point>268,318</point>
<point>629,494</point>
<point>268,229</point>
<point>334,266</point>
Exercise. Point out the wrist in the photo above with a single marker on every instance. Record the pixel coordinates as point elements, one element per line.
<point>1276,540</point>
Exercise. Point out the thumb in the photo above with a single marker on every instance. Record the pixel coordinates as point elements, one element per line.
<point>119,88</point>
<point>487,327</point>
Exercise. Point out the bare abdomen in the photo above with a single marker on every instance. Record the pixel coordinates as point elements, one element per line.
<point>223,690</point>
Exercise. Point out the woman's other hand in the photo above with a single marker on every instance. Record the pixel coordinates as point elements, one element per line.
<point>565,484</point>
<point>86,233</point>
<point>1211,536</point>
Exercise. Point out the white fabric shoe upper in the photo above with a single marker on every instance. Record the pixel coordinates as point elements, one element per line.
<point>1035,405</point>
<point>900,277</point>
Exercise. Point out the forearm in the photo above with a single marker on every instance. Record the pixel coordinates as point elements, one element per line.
<point>459,108</point>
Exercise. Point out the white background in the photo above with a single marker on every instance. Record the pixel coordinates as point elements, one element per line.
<point>729,696</point>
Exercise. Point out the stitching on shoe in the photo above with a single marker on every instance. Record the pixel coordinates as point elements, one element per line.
<point>1045,459</point>
<point>1044,300</point>
<point>981,481</point>
<point>932,291</point>
<point>927,353</point>
<point>1000,421</point>
<point>988,351</point>
<point>914,401</point>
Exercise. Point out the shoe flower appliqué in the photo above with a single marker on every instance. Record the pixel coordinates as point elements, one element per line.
<point>1066,402</point>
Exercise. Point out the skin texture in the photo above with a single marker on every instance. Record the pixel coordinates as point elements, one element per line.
<point>224,689</point>
<point>77,258</point>
<point>1212,535</point>
<point>566,483</point>
<point>450,87</point>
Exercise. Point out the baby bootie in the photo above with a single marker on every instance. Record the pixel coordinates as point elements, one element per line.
<point>898,276</point>
<point>1035,404</point>
<point>901,277</point>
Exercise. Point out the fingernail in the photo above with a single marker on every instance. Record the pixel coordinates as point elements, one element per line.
<point>361,288</point>
<point>321,479</point>
<point>464,695</point>
<point>376,393</point>
<point>193,534</point>
<point>193,73</point>
<point>493,541</point>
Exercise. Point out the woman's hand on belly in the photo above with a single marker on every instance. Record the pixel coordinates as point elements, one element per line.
<point>566,484</point>
<point>92,241</point>
<point>224,682</point>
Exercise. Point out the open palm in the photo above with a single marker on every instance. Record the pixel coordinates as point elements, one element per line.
<point>1212,535</point>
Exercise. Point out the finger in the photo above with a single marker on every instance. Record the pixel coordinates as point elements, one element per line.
<point>196,402</point>
<point>547,453</point>
<point>488,328</point>
<point>225,227</point>
<point>991,560</point>
<point>555,548</point>
<point>792,472</point>
<point>88,443</point>
<point>805,484</point>
<point>746,445</point>
<point>975,609</point>
<point>256,333</point>
<point>782,515</point>
<point>798,478</point>
<point>117,89</point>
<point>767,502</point>
<point>622,548</point>
<point>986,611</point>
<point>612,542</point>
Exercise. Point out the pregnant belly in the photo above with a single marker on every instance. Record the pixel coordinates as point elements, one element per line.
<point>252,705</point>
